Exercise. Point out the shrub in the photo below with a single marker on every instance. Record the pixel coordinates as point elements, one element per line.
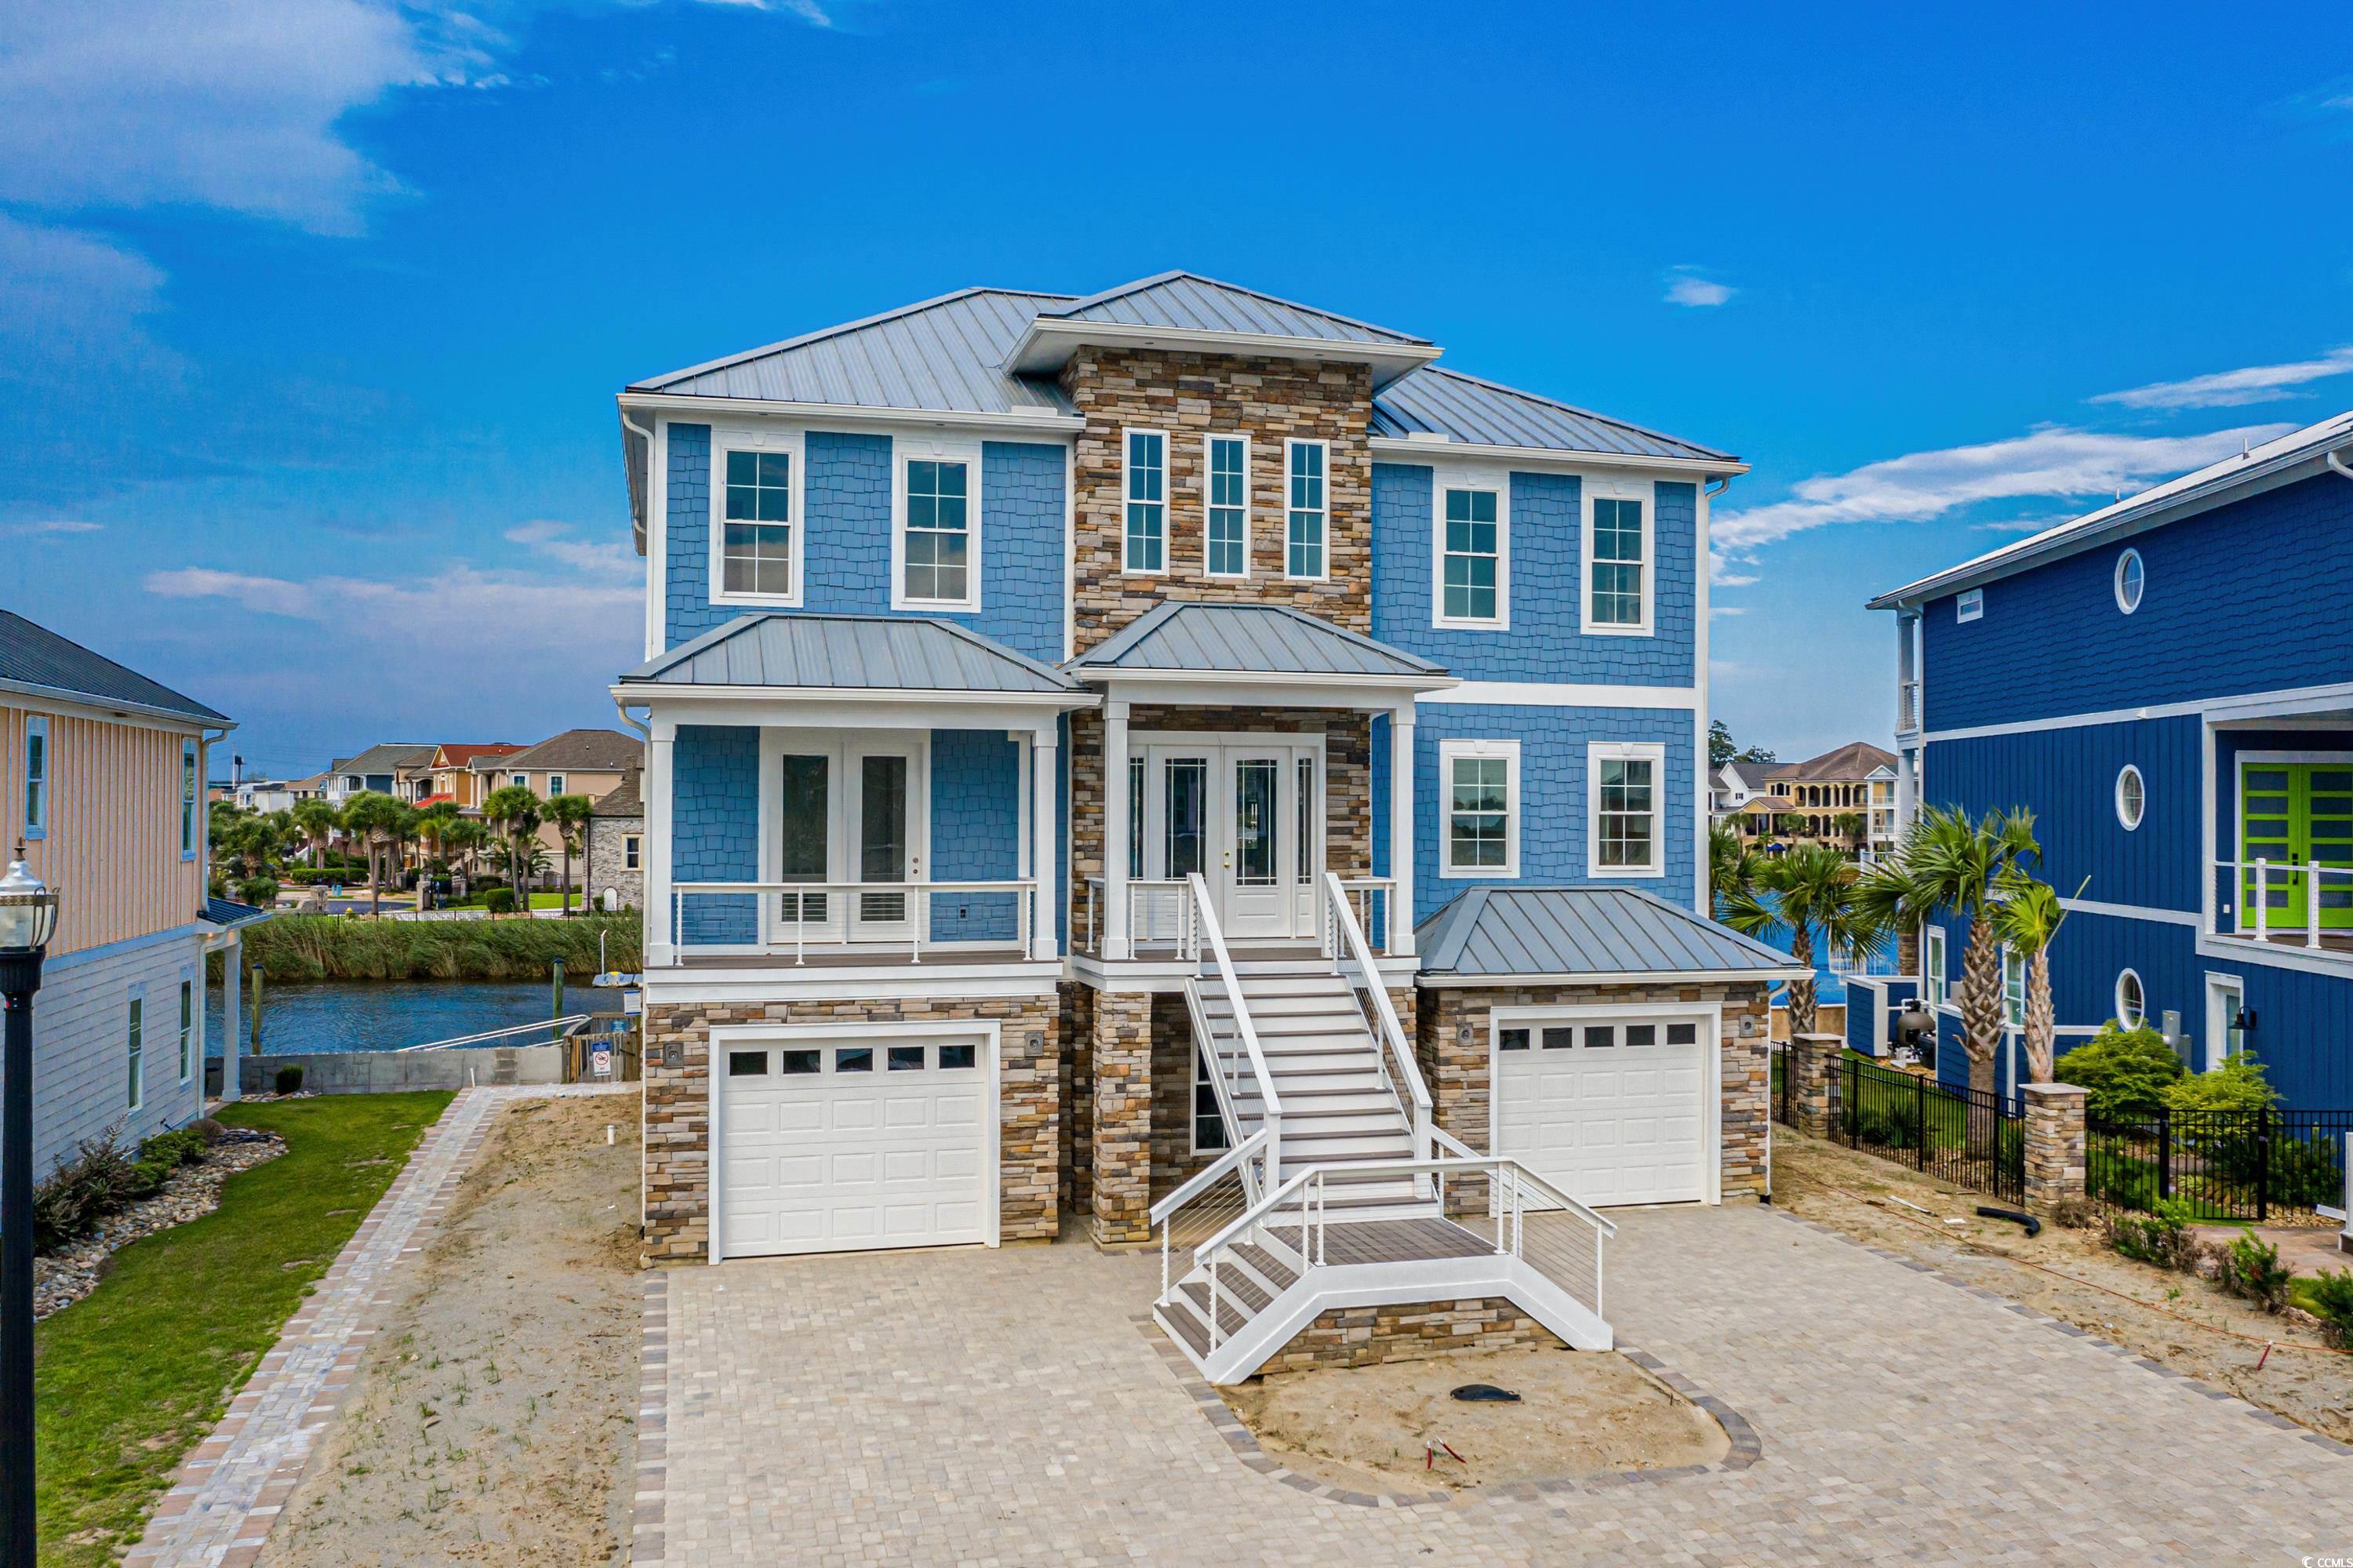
<point>100,1178</point>
<point>290,1079</point>
<point>261,892</point>
<point>2252,1269</point>
<point>2328,1295</point>
<point>500,901</point>
<point>2238,1085</point>
<point>2120,1178</point>
<point>1877,1124</point>
<point>2128,1071</point>
<point>2304,1174</point>
<point>2163,1238</point>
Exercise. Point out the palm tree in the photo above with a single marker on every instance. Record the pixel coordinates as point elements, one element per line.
<point>514,811</point>
<point>2026,913</point>
<point>315,820</point>
<point>1812,889</point>
<point>371,816</point>
<point>1733,865</point>
<point>570,814</point>
<point>1948,861</point>
<point>462,836</point>
<point>1849,825</point>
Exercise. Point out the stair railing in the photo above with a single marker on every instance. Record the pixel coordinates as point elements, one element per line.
<point>1213,936</point>
<point>1246,1161</point>
<point>1353,956</point>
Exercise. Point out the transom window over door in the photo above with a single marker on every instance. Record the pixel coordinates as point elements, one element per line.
<point>1471,557</point>
<point>1624,806</point>
<point>1228,546</point>
<point>1482,781</point>
<point>1147,545</point>
<point>756,549</point>
<point>1618,593</point>
<point>937,549</point>
<point>1309,507</point>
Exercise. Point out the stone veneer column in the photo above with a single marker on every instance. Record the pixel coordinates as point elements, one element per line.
<point>1814,1058</point>
<point>2055,1160</point>
<point>1123,1117</point>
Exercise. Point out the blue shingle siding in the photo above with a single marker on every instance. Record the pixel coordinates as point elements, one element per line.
<point>1544,642</point>
<point>715,826</point>
<point>687,609</point>
<point>2222,588</point>
<point>974,831</point>
<point>1021,594</point>
<point>847,503</point>
<point>1552,742</point>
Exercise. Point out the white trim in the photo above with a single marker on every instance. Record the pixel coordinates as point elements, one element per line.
<point>2132,557</point>
<point>1566,694</point>
<point>1935,985</point>
<point>1449,752</point>
<point>25,815</point>
<point>1703,893</point>
<point>1597,752</point>
<point>2130,911</point>
<point>192,1025</point>
<point>1644,494</point>
<point>2215,1048</point>
<point>657,538</point>
<point>1127,434</point>
<point>2131,823</point>
<point>1209,473</point>
<point>987,1031</point>
<point>1480,480</point>
<point>1711,1050</point>
<point>792,443</point>
<point>67,704</point>
<point>1025,426</point>
<point>1322,512</point>
<point>2136,1016</point>
<point>1968,605</point>
<point>1404,450</point>
<point>940,449</point>
<point>764,978</point>
<point>845,750</point>
<point>2246,708</point>
<point>1042,342</point>
<point>1619,977</point>
<point>135,1062</point>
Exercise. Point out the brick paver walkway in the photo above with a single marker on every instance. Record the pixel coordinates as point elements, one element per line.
<point>229,1491</point>
<point>969,1407</point>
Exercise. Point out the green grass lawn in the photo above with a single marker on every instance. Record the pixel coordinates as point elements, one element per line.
<point>132,1377</point>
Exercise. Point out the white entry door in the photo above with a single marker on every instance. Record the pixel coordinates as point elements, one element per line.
<point>836,1145</point>
<point>1246,812</point>
<point>1610,1109</point>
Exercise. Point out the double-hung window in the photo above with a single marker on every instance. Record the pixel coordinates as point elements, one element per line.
<point>756,529</point>
<point>37,775</point>
<point>1625,804</point>
<point>1471,557</point>
<point>1227,542</point>
<point>1147,484</point>
<point>936,549</point>
<point>1618,566</point>
<point>188,812</point>
<point>2013,987</point>
<point>1309,506</point>
<point>632,850</point>
<point>1482,781</point>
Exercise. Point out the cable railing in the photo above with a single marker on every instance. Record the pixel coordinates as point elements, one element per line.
<point>1344,944</point>
<point>1222,971</point>
<point>1160,914</point>
<point>1371,900</point>
<point>777,918</point>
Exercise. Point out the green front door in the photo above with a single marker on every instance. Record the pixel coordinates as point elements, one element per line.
<point>2292,815</point>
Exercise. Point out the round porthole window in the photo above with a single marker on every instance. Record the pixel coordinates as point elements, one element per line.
<point>2132,796</point>
<point>2130,579</point>
<point>2131,1006</point>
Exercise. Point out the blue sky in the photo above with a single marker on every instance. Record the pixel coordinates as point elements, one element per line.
<point>312,310</point>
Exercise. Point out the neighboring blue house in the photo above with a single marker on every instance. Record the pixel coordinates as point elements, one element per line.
<point>1069,719</point>
<point>2167,684</point>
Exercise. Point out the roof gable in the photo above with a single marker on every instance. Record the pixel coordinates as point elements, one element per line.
<point>31,655</point>
<point>1190,303</point>
<point>598,750</point>
<point>1855,759</point>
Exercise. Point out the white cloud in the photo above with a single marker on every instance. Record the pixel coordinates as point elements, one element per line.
<point>71,299</point>
<point>2234,388</point>
<point>1686,287</point>
<point>2055,462</point>
<point>456,608</point>
<point>48,526</point>
<point>551,539</point>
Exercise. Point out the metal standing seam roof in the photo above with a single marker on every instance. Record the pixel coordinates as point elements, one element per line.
<point>33,655</point>
<point>1190,303</point>
<point>1434,401</point>
<point>1583,931</point>
<point>383,757</point>
<point>1261,639</point>
<point>812,649</point>
<point>227,912</point>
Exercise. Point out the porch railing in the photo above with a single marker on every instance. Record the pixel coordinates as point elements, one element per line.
<point>1160,913</point>
<point>1222,973</point>
<point>2272,899</point>
<point>776,918</point>
<point>1907,705</point>
<point>1372,900</point>
<point>1344,944</point>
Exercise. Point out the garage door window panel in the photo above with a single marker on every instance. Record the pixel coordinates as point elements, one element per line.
<point>906,1058</point>
<point>860,1059</point>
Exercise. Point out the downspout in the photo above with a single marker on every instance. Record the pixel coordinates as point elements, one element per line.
<point>645,731</point>
<point>643,523</point>
<point>2337,464</point>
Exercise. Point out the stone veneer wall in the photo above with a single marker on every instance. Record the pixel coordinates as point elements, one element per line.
<point>678,1106</point>
<point>1122,1071</point>
<point>607,861</point>
<point>1078,1078</point>
<point>1452,1044</point>
<point>1410,1331</point>
<point>1189,397</point>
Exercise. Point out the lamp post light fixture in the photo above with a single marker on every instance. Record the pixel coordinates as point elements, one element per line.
<point>28,916</point>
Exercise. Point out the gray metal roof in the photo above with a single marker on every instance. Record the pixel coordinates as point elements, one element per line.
<point>2298,455</point>
<point>810,650</point>
<point>1189,302</point>
<point>32,655</point>
<point>944,354</point>
<point>228,912</point>
<point>383,757</point>
<point>1431,400</point>
<point>1583,931</point>
<point>1262,639</point>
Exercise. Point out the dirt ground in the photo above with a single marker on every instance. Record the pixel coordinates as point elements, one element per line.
<point>1370,1428</point>
<point>2184,1321</point>
<point>495,1417</point>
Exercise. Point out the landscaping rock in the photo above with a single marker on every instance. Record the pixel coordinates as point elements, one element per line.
<point>64,1277</point>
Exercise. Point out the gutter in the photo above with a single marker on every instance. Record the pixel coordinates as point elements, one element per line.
<point>640,493</point>
<point>121,708</point>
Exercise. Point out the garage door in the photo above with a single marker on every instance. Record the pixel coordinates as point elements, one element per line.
<point>831,1146</point>
<point>1609,1110</point>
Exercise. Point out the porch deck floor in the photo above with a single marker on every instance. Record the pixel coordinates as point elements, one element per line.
<point>2293,936</point>
<point>1398,1241</point>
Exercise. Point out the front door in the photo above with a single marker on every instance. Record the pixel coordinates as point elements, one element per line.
<point>845,812</point>
<point>2292,815</point>
<point>1246,815</point>
<point>1256,869</point>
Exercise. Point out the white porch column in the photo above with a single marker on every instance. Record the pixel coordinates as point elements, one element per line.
<point>232,981</point>
<point>1115,814</point>
<point>1043,743</point>
<point>659,828</point>
<point>1401,933</point>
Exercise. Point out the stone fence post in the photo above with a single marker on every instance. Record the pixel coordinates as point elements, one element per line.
<point>1814,1096</point>
<point>2055,1161</point>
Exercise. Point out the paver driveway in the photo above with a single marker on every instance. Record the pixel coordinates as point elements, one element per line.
<point>1002,1408</point>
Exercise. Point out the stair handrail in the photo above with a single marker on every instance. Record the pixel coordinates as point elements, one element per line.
<point>1461,1152</point>
<point>1269,1103</point>
<point>1163,1213</point>
<point>1356,950</point>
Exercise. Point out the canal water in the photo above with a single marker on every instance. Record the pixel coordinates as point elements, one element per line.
<point>297,1017</point>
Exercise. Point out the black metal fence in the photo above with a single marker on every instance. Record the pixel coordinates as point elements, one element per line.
<point>1967,1137</point>
<point>1784,1106</point>
<point>2225,1165</point>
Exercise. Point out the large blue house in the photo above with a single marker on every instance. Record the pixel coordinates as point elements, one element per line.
<point>2164,685</point>
<point>1176,746</point>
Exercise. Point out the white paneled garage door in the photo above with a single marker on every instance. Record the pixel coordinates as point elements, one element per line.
<point>1610,1110</point>
<point>833,1145</point>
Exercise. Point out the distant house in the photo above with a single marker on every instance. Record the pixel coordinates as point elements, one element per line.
<point>1804,802</point>
<point>590,762</point>
<point>616,872</point>
<point>1736,783</point>
<point>454,777</point>
<point>378,768</point>
<point>99,784</point>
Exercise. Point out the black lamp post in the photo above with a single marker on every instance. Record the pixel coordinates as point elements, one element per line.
<point>28,915</point>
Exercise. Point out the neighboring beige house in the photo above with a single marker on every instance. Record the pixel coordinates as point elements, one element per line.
<point>590,762</point>
<point>454,777</point>
<point>1857,779</point>
<point>615,873</point>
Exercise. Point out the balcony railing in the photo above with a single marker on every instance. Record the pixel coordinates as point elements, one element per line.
<point>1370,899</point>
<point>1907,705</point>
<point>840,919</point>
<point>1161,915</point>
<point>2302,903</point>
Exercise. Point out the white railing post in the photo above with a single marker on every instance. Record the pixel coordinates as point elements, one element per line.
<point>2263,899</point>
<point>1270,1104</point>
<point>1213,1335</point>
<point>1164,1225</point>
<point>2312,904</point>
